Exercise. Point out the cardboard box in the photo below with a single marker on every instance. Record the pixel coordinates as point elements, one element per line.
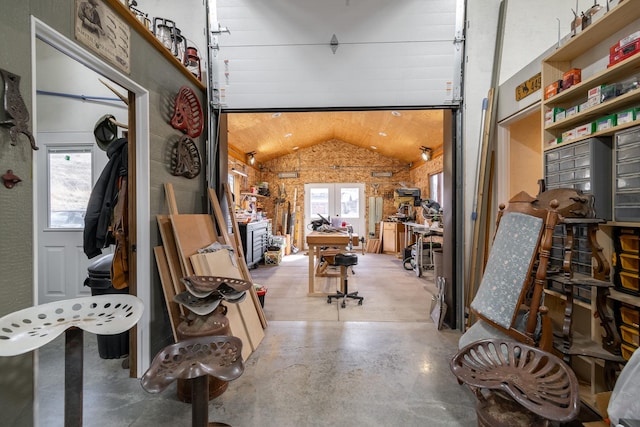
<point>572,110</point>
<point>571,77</point>
<point>560,115</point>
<point>626,116</point>
<point>625,52</point>
<point>595,94</point>
<point>550,115</point>
<point>606,122</point>
<point>586,129</point>
<point>620,44</point>
<point>569,135</point>
<point>553,89</point>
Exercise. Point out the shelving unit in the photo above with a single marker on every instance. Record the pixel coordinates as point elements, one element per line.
<point>589,50</point>
<point>592,41</point>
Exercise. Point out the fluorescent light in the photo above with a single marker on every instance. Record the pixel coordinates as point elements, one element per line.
<point>287,174</point>
<point>239,172</point>
<point>385,174</point>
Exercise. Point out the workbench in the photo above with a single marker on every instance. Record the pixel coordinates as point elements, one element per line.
<point>318,239</point>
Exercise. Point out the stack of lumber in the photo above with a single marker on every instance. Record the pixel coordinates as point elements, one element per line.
<point>374,246</point>
<point>183,235</point>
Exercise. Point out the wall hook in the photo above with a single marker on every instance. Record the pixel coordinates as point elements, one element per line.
<point>10,180</point>
<point>15,109</point>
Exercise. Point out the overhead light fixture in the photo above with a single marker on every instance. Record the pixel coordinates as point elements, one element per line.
<point>238,172</point>
<point>287,174</point>
<point>384,174</point>
<point>251,157</point>
<point>426,153</point>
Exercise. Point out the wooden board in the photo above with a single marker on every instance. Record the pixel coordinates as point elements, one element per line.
<point>168,289</point>
<point>171,198</point>
<point>242,262</point>
<point>192,232</point>
<point>171,253</point>
<point>246,322</point>
<point>234,241</point>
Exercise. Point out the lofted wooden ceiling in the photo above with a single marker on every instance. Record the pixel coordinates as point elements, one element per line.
<point>397,134</point>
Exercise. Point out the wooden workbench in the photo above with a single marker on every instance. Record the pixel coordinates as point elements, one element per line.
<point>318,239</point>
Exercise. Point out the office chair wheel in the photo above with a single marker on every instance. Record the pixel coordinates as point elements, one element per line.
<point>344,304</point>
<point>359,302</point>
<point>329,300</point>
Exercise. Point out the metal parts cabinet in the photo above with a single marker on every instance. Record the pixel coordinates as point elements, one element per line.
<point>255,238</point>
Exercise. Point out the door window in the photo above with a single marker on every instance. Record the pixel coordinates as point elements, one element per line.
<point>70,183</point>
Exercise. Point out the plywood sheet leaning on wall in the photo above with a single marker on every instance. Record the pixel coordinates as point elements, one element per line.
<point>168,290</point>
<point>192,232</point>
<point>234,241</point>
<point>243,317</point>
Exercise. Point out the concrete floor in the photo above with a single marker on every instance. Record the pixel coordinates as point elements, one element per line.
<point>380,364</point>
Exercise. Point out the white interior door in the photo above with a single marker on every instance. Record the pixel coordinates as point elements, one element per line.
<point>341,203</point>
<point>69,164</point>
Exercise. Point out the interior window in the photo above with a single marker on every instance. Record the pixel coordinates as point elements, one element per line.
<point>435,187</point>
<point>69,178</point>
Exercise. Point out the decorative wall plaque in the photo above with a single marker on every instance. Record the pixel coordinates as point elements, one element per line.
<point>104,32</point>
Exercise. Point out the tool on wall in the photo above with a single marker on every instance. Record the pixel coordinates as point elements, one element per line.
<point>15,109</point>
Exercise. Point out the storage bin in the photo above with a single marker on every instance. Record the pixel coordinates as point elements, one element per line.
<point>629,262</point>
<point>629,243</point>
<point>630,315</point>
<point>627,282</point>
<point>627,351</point>
<point>272,257</point>
<point>630,335</point>
<point>98,279</point>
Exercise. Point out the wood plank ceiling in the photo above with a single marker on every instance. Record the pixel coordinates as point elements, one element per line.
<point>398,134</point>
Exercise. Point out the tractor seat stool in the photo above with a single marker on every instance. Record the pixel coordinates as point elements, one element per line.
<point>195,359</point>
<point>345,260</point>
<point>31,328</point>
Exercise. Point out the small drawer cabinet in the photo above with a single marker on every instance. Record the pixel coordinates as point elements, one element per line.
<point>255,238</point>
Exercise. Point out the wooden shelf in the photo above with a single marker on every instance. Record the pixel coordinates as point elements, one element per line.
<point>252,194</point>
<point>562,296</point>
<point>128,16</point>
<point>612,106</point>
<point>567,98</point>
<point>620,16</point>
<point>624,297</point>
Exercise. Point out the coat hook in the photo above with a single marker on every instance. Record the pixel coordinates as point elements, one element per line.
<point>10,180</point>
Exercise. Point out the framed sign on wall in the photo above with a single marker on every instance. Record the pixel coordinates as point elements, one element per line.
<point>104,32</point>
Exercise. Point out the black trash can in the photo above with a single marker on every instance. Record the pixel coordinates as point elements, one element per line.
<point>99,280</point>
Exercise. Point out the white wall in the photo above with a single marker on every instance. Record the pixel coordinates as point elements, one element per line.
<point>60,74</point>
<point>530,29</point>
<point>389,53</point>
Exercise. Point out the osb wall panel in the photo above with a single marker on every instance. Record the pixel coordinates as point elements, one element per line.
<point>331,162</point>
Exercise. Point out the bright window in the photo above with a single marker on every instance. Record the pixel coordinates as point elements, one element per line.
<point>70,183</point>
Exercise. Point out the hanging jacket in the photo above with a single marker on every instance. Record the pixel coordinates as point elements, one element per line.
<point>103,199</point>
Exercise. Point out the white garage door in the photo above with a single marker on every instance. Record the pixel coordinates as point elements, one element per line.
<point>279,53</point>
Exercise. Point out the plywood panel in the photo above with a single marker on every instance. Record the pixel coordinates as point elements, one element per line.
<point>243,317</point>
<point>192,232</point>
